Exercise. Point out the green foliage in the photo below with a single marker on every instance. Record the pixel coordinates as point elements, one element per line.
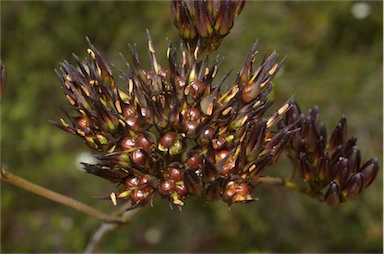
<point>334,61</point>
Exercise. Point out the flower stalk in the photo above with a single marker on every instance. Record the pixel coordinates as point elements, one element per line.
<point>57,197</point>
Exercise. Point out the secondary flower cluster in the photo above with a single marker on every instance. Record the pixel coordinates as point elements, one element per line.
<point>204,24</point>
<point>332,164</point>
<point>174,131</point>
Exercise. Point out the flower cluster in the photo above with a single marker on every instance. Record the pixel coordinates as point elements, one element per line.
<point>176,130</point>
<point>203,24</point>
<point>332,164</point>
<point>173,131</point>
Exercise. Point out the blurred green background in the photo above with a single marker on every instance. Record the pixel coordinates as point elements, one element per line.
<point>335,61</point>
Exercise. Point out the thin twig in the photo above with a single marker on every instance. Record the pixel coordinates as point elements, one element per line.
<point>57,197</point>
<point>276,181</point>
<point>97,242</point>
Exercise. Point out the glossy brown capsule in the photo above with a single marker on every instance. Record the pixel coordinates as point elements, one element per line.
<point>167,187</point>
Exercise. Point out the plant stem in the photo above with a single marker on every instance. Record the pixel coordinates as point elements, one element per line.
<point>276,181</point>
<point>97,242</point>
<point>57,197</point>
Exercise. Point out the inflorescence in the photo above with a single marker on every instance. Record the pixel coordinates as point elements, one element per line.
<point>177,131</point>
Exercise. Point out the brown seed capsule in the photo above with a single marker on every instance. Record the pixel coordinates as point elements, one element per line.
<point>242,189</point>
<point>230,188</point>
<point>167,187</point>
<point>229,192</point>
<point>176,173</point>
<point>144,142</point>
<point>181,190</point>
<point>138,157</point>
<point>221,155</point>
<point>138,195</point>
<point>229,164</point>
<point>194,161</point>
<point>131,182</point>
<point>129,110</point>
<point>250,92</point>
<point>128,143</point>
<point>147,183</point>
<point>206,136</point>
<point>191,120</point>
<point>132,122</point>
<point>84,124</point>
<point>167,139</point>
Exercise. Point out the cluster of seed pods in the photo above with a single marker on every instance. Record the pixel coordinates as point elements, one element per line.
<point>179,132</point>
<point>174,130</point>
<point>204,24</point>
<point>332,167</point>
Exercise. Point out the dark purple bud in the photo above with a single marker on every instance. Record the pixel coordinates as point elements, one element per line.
<point>339,135</point>
<point>305,167</point>
<point>369,171</point>
<point>343,172</point>
<point>324,168</point>
<point>333,196</point>
<point>354,160</point>
<point>353,186</point>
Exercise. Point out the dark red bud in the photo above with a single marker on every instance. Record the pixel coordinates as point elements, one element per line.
<point>242,189</point>
<point>132,122</point>
<point>221,155</point>
<point>128,143</point>
<point>84,123</point>
<point>131,182</point>
<point>181,190</point>
<point>138,157</point>
<point>129,111</point>
<point>250,92</point>
<point>147,183</point>
<point>194,161</point>
<point>143,142</point>
<point>138,195</point>
<point>176,173</point>
<point>168,139</point>
<point>167,187</point>
<point>206,135</point>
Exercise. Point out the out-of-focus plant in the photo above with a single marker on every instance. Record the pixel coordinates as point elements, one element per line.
<point>175,130</point>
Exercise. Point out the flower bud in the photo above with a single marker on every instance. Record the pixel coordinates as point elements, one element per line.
<point>369,171</point>
<point>354,186</point>
<point>333,196</point>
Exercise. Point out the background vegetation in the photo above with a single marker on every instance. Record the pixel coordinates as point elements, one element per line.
<point>334,61</point>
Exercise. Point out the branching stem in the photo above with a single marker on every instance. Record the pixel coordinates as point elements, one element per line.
<point>57,197</point>
<point>276,181</point>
